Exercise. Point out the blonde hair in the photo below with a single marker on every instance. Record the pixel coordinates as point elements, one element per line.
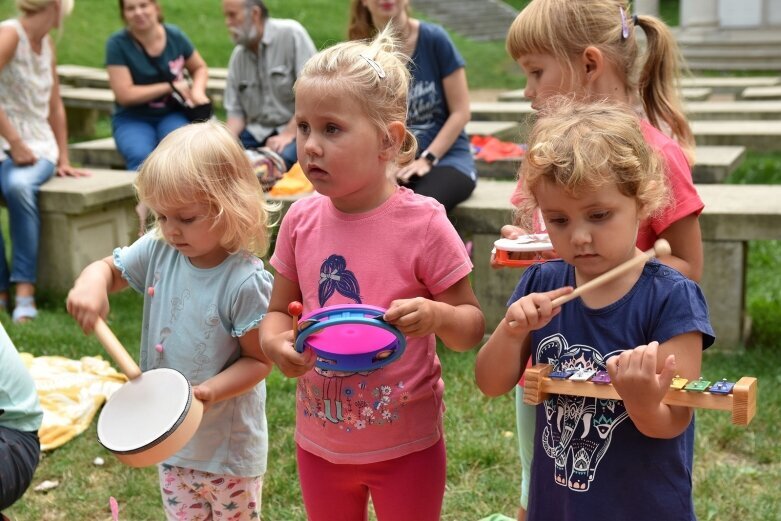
<point>202,163</point>
<point>565,28</point>
<point>373,73</point>
<point>33,6</point>
<point>361,26</point>
<point>583,146</point>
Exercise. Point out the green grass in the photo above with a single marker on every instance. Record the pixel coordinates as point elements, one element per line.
<point>737,469</point>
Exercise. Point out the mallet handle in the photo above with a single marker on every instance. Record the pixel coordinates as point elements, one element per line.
<point>661,247</point>
<point>116,350</point>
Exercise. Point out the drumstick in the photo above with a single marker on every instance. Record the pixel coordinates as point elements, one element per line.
<point>295,309</point>
<point>661,248</point>
<point>116,350</point>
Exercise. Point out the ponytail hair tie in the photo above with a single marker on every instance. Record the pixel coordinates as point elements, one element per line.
<point>635,20</point>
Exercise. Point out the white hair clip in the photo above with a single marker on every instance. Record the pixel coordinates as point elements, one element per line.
<point>374,65</point>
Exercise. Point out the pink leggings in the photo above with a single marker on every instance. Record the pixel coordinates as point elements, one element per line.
<point>410,487</point>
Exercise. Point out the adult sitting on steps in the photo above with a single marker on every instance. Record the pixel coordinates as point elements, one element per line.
<point>33,139</point>
<point>264,65</point>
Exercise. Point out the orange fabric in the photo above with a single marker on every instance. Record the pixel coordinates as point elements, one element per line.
<point>293,182</point>
<point>490,149</point>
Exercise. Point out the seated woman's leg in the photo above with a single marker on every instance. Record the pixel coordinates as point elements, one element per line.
<point>135,137</point>
<point>445,184</point>
<point>289,154</point>
<point>20,186</point>
<point>169,123</point>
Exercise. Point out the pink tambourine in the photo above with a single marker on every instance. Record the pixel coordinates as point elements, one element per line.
<point>350,337</point>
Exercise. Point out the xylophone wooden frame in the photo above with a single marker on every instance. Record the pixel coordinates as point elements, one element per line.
<point>742,401</point>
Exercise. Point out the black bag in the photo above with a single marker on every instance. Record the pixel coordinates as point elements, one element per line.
<point>197,113</point>
<point>202,112</point>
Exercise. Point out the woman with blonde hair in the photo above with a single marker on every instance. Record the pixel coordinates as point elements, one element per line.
<point>33,138</point>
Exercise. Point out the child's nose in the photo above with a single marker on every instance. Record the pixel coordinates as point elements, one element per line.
<point>581,236</point>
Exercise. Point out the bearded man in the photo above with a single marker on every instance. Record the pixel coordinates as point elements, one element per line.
<point>264,65</point>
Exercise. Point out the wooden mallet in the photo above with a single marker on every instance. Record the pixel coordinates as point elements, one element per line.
<point>661,248</point>
<point>295,309</point>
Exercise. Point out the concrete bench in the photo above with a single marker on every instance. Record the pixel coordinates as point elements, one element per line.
<point>758,136</point>
<point>692,93</point>
<point>97,78</point>
<point>732,85</point>
<point>733,215</point>
<point>714,164</point>
<point>521,111</point>
<point>761,93</point>
<point>82,220</point>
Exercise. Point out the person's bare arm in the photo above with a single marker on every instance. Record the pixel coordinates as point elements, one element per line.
<point>453,315</point>
<point>241,376</point>
<point>128,93</point>
<point>685,240</point>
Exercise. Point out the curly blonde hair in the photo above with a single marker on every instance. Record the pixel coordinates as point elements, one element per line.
<point>373,73</point>
<point>582,146</point>
<point>203,163</point>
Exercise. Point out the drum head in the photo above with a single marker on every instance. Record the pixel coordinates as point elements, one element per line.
<point>144,411</point>
<point>350,338</point>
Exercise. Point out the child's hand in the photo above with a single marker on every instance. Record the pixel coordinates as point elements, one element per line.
<point>281,351</point>
<point>508,232</point>
<point>414,317</point>
<point>86,304</point>
<point>633,374</point>
<point>205,394</point>
<point>534,311</point>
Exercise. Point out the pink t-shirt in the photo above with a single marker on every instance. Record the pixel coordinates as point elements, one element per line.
<point>403,249</point>
<point>684,197</point>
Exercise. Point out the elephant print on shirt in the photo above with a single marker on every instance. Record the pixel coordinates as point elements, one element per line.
<point>578,430</point>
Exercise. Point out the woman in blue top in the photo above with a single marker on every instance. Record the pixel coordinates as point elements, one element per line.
<point>136,57</point>
<point>143,114</point>
<point>438,100</point>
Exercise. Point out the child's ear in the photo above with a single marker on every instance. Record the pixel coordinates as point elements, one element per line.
<point>593,63</point>
<point>392,140</point>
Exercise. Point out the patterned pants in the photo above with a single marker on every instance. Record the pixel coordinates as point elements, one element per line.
<point>193,495</point>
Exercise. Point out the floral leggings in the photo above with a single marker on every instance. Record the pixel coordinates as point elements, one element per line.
<point>194,495</point>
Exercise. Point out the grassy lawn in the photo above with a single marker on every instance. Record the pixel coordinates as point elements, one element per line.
<point>737,470</point>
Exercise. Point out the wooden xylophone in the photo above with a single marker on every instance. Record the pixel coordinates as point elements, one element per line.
<point>740,398</point>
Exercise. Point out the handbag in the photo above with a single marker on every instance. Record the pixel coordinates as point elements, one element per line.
<point>194,113</point>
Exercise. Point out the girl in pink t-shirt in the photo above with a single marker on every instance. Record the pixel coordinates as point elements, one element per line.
<point>363,240</point>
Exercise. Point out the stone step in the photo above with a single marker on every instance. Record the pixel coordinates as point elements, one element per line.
<point>714,164</point>
<point>761,93</point>
<point>758,136</point>
<point>520,111</point>
<point>482,20</point>
<point>687,93</point>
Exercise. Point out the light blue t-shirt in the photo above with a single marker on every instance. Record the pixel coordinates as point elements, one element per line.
<point>435,57</point>
<point>19,406</point>
<point>198,315</point>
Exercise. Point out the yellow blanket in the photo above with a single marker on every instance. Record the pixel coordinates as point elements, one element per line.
<point>71,392</point>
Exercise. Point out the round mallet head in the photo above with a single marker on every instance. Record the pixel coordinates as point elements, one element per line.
<point>295,309</point>
<point>662,248</point>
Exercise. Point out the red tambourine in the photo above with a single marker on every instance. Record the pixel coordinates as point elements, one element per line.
<point>533,244</point>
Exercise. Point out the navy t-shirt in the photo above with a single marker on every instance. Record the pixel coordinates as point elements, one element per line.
<point>435,58</point>
<point>121,49</point>
<point>590,461</point>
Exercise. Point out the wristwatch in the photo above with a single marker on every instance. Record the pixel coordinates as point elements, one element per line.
<point>430,157</point>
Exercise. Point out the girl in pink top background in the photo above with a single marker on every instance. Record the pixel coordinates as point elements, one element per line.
<point>363,240</point>
<point>589,50</point>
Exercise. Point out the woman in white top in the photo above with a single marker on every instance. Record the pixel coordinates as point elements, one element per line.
<point>33,138</point>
